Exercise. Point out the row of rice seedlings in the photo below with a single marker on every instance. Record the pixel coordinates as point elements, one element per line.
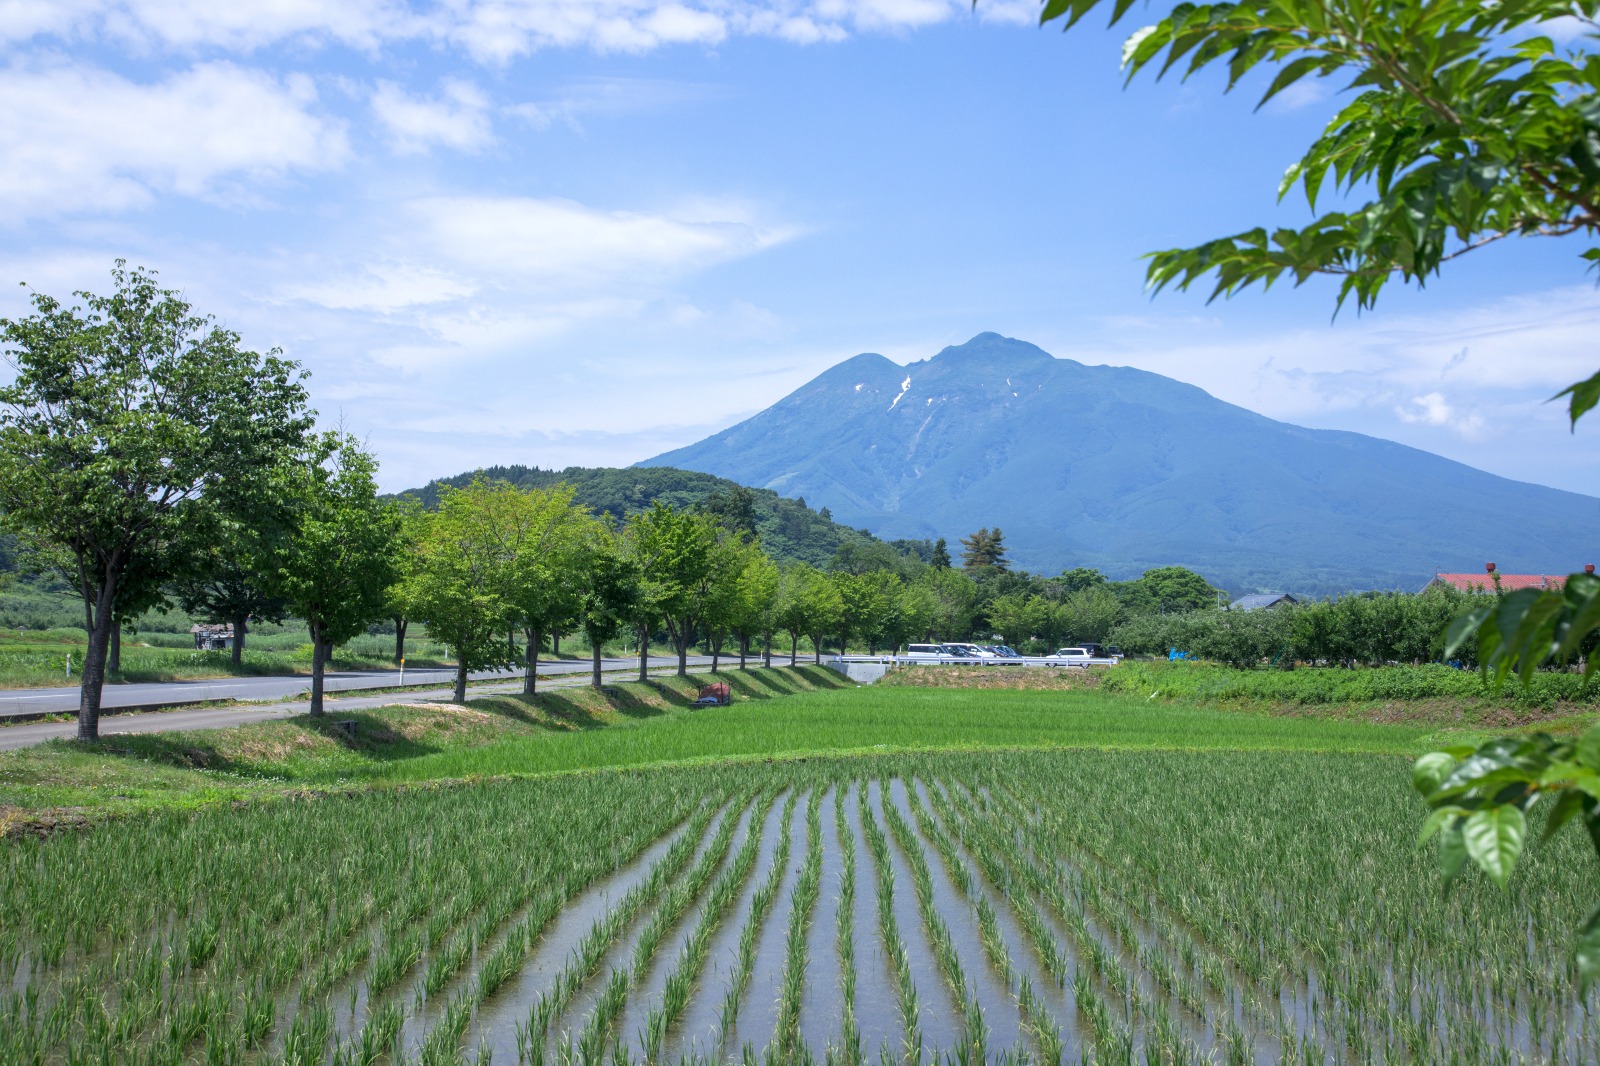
<point>1255,964</point>
<point>760,904</point>
<point>803,899</point>
<point>1166,941</point>
<point>592,949</point>
<point>1150,958</point>
<point>905,981</point>
<point>1336,894</point>
<point>973,1046</point>
<point>1002,859</point>
<point>441,1045</point>
<point>849,1051</point>
<point>692,956</point>
<point>1041,1023</point>
<point>249,918</point>
<point>674,904</point>
<point>539,902</point>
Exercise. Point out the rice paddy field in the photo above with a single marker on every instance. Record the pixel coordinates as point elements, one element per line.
<point>1132,906</point>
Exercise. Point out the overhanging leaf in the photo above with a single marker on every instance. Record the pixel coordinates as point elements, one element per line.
<point>1494,837</point>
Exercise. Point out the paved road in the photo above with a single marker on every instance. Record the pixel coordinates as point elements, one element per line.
<point>26,734</point>
<point>30,701</point>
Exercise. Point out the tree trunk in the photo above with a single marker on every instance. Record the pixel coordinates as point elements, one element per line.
<point>816,649</point>
<point>644,653</point>
<point>319,658</point>
<point>794,646</point>
<point>766,649</point>
<point>461,682</point>
<point>114,653</point>
<point>744,648</point>
<point>681,634</point>
<point>400,638</point>
<point>594,646</point>
<point>555,645</point>
<point>530,680</point>
<point>716,657</point>
<point>94,659</point>
<point>239,622</point>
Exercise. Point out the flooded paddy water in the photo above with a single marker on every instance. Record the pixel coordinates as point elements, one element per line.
<point>1017,908</point>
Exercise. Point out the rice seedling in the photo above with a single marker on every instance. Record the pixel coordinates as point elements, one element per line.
<point>760,904</point>
<point>1155,907</point>
<point>786,1037</point>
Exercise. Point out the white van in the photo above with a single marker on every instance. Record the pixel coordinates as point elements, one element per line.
<point>932,653</point>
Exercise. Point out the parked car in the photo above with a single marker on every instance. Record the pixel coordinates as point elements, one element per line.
<point>933,653</point>
<point>1070,657</point>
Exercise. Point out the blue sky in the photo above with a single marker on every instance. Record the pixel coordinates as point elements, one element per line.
<point>564,232</point>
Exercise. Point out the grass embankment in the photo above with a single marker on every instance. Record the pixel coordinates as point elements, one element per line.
<point>631,724</point>
<point>38,658</point>
<point>1412,695</point>
<point>132,772</point>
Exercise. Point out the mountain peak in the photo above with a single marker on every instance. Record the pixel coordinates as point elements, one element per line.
<point>992,349</point>
<point>1125,470</point>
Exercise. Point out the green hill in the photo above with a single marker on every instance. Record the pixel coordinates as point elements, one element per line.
<point>788,528</point>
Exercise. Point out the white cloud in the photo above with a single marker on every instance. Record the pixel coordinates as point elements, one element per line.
<point>477,279</point>
<point>581,98</point>
<point>491,31</point>
<point>382,288</point>
<point>81,138</point>
<point>571,245</point>
<point>1433,409</point>
<point>188,25</point>
<point>457,118</point>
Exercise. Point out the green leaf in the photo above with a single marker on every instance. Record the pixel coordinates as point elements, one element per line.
<point>1585,394</point>
<point>1438,820</point>
<point>1586,952</point>
<point>1452,849</point>
<point>1588,749</point>
<point>1494,838</point>
<point>1570,803</point>
<point>1430,770</point>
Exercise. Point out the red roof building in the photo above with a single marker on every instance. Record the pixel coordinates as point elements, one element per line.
<point>1485,581</point>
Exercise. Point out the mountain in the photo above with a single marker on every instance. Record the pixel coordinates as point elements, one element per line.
<point>1124,470</point>
<point>789,529</point>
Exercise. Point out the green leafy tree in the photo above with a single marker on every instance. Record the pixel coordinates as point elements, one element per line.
<point>756,606</point>
<point>869,605</point>
<point>339,558</point>
<point>610,590</point>
<point>228,584</point>
<point>464,574</point>
<point>397,608</point>
<point>940,559</point>
<point>718,598</point>
<point>1466,126</point>
<point>543,544</point>
<point>674,552</point>
<point>915,608</point>
<point>985,551</point>
<point>954,596</point>
<point>1018,617</point>
<point>130,425</point>
<point>1088,614</point>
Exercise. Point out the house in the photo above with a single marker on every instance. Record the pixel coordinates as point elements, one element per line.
<point>1485,582</point>
<point>212,638</point>
<point>1261,600</point>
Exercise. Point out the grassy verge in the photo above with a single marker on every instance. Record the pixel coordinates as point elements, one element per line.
<point>575,728</point>
<point>135,772</point>
<point>1386,696</point>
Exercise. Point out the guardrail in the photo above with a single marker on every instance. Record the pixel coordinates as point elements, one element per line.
<point>951,660</point>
